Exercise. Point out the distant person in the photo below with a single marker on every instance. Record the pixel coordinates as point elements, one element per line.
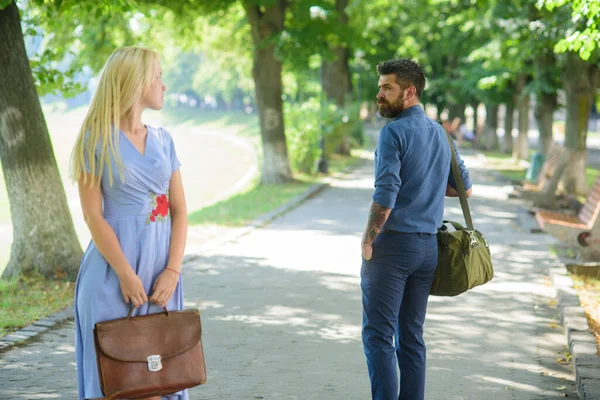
<point>399,246</point>
<point>133,203</point>
<point>467,134</point>
<point>453,128</point>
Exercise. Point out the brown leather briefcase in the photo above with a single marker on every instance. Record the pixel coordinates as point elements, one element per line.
<point>150,355</point>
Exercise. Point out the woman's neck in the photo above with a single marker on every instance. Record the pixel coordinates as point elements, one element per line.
<point>131,123</point>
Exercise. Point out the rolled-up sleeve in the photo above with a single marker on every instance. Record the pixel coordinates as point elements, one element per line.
<point>387,169</point>
<point>464,172</point>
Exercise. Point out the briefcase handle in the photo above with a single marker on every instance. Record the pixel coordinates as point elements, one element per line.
<point>132,307</point>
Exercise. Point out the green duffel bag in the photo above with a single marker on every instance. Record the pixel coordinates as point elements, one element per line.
<point>464,261</point>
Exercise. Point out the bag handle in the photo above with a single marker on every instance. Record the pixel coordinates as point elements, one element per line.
<point>455,225</point>
<point>132,307</point>
<point>460,186</point>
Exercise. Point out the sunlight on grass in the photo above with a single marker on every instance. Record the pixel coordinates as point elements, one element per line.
<point>259,199</point>
<point>27,299</point>
<point>244,207</point>
<point>506,165</point>
<point>513,170</point>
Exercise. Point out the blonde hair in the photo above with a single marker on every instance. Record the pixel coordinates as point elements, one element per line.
<point>126,76</point>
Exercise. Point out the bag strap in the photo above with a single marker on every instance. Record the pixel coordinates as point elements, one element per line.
<point>455,225</point>
<point>460,186</point>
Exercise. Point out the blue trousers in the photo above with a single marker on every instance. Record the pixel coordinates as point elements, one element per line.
<point>395,287</point>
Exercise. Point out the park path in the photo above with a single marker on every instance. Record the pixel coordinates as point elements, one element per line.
<point>281,312</point>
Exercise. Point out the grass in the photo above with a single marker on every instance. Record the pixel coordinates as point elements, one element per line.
<point>513,170</point>
<point>505,165</point>
<point>588,289</point>
<point>242,208</point>
<point>27,299</point>
<point>213,119</point>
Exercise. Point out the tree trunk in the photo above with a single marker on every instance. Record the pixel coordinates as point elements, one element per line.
<point>265,23</point>
<point>509,120</point>
<point>580,80</point>
<point>44,238</point>
<point>475,118</point>
<point>489,138</point>
<point>336,79</point>
<point>457,111</point>
<point>439,109</point>
<point>544,115</point>
<point>335,74</point>
<point>521,150</point>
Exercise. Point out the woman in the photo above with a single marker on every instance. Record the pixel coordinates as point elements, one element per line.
<point>133,203</point>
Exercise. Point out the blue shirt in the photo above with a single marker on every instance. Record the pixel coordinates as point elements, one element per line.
<point>412,170</point>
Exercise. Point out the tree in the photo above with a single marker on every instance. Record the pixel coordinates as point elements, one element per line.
<point>580,79</point>
<point>266,23</point>
<point>337,82</point>
<point>44,238</point>
<point>580,76</point>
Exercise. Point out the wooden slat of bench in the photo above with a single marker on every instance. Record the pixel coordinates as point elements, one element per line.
<point>531,187</point>
<point>589,211</point>
<point>552,160</point>
<point>550,165</point>
<point>558,218</point>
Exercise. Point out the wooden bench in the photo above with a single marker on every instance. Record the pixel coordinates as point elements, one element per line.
<point>542,193</point>
<point>581,230</point>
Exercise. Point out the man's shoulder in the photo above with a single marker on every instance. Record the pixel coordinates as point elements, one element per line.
<point>414,122</point>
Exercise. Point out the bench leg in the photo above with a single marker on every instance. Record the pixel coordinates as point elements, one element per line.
<point>568,235</point>
<point>589,254</point>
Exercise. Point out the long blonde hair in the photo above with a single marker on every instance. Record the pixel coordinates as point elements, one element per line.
<point>125,78</point>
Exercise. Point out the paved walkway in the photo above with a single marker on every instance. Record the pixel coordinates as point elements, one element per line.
<point>281,313</point>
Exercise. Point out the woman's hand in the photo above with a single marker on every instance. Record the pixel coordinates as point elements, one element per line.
<point>164,287</point>
<point>132,289</point>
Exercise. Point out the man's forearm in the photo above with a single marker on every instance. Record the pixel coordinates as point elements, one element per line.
<point>451,192</point>
<point>378,215</point>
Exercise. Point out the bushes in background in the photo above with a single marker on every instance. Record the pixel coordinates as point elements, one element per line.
<point>306,122</point>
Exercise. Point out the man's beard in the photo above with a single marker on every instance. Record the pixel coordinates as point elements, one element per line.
<point>391,110</point>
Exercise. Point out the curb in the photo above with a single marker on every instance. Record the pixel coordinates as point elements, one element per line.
<point>33,331</point>
<point>195,252</point>
<point>582,344</point>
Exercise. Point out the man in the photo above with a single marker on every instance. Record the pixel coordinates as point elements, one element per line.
<point>399,246</point>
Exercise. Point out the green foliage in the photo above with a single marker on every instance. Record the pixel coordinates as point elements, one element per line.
<point>76,35</point>
<point>582,35</point>
<point>5,3</point>
<point>308,122</point>
<point>303,132</point>
<point>52,80</point>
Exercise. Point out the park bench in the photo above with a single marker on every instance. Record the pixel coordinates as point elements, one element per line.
<point>581,230</point>
<point>542,193</point>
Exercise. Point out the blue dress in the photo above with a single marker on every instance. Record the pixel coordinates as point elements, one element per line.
<point>137,211</point>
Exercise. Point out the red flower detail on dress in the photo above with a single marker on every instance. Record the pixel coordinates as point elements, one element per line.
<point>160,207</point>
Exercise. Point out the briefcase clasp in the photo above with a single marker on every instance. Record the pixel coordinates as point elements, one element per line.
<point>154,363</point>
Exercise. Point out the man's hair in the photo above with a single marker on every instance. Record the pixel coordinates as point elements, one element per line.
<point>407,73</point>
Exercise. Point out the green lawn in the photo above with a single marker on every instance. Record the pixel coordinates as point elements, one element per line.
<point>27,299</point>
<point>242,208</point>
<point>511,169</point>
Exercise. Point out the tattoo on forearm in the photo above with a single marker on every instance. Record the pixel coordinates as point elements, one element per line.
<point>378,215</point>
